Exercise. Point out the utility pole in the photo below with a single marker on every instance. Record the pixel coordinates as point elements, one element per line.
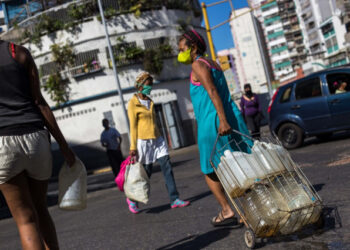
<point>210,39</point>
<point>120,93</point>
<point>207,26</point>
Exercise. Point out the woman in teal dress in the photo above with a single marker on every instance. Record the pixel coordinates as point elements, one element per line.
<point>215,113</point>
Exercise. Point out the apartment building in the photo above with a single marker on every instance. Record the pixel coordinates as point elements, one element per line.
<point>249,55</point>
<point>283,36</point>
<point>3,27</point>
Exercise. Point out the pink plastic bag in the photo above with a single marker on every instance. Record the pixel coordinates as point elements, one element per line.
<point>119,180</point>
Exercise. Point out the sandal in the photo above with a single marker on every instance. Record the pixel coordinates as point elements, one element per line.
<point>232,221</point>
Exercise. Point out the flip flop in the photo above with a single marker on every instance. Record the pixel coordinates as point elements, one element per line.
<point>232,221</point>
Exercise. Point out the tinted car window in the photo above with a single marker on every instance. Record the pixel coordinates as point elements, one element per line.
<point>335,81</point>
<point>286,95</point>
<point>308,88</point>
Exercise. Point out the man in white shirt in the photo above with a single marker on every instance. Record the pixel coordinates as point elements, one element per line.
<point>111,140</point>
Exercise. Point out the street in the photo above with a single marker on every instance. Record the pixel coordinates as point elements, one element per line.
<point>107,223</point>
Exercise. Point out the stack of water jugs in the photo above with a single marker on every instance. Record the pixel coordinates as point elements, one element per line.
<point>273,196</point>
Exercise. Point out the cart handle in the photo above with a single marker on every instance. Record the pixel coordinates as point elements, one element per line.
<point>233,131</point>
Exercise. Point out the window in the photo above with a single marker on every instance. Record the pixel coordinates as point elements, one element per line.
<point>154,43</point>
<point>335,82</point>
<point>86,57</point>
<point>86,62</point>
<point>286,95</point>
<point>48,69</point>
<point>308,88</point>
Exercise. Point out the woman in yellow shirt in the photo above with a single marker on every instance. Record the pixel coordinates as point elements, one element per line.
<point>146,143</point>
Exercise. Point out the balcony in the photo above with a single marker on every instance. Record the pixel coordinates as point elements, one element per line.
<point>305,5</point>
<point>275,35</point>
<point>278,50</point>
<point>86,69</point>
<point>267,6</point>
<point>283,64</point>
<point>272,20</point>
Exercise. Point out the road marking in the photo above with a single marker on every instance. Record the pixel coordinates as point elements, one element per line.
<point>343,161</point>
<point>102,170</point>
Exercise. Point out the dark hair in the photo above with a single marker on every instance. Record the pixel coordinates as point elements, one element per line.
<point>247,85</point>
<point>193,37</point>
<point>105,122</point>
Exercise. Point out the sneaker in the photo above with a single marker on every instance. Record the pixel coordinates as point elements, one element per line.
<point>179,203</point>
<point>133,206</point>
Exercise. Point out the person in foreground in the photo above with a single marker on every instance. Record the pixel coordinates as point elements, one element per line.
<point>215,113</point>
<point>146,144</point>
<point>25,154</point>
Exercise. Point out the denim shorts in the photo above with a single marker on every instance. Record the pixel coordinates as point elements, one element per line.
<point>29,152</point>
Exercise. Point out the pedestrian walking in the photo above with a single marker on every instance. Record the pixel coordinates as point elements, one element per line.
<point>25,155</point>
<point>146,143</point>
<point>111,140</point>
<point>251,110</point>
<point>215,113</point>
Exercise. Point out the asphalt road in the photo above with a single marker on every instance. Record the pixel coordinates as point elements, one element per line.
<point>107,224</point>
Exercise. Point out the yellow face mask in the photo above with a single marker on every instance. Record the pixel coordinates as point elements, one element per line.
<point>185,57</point>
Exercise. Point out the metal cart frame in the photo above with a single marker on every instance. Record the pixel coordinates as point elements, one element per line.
<point>286,180</point>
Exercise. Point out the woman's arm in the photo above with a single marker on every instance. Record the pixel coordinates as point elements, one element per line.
<point>202,72</point>
<point>242,106</point>
<point>24,57</point>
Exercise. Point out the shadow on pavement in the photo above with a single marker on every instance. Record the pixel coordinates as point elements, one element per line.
<point>198,241</point>
<point>162,208</point>
<point>318,187</point>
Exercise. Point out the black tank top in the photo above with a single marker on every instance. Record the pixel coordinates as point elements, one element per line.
<point>18,113</point>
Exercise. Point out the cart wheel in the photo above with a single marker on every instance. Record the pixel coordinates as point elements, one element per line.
<point>249,238</point>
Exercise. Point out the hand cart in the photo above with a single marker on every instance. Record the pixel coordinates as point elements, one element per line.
<point>280,201</point>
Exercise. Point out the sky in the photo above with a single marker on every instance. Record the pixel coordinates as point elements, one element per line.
<point>222,36</point>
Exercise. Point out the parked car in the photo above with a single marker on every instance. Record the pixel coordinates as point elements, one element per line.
<point>315,105</point>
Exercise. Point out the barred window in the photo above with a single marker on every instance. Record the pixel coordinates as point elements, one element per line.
<point>86,57</point>
<point>48,69</point>
<point>154,43</point>
<point>124,44</point>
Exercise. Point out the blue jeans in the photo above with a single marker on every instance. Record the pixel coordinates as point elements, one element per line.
<point>165,166</point>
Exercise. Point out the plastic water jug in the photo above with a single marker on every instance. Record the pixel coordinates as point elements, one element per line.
<point>72,186</point>
<point>264,208</point>
<point>267,157</point>
<point>297,199</point>
<point>244,168</point>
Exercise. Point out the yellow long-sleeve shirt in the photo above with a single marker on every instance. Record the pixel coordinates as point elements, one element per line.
<point>143,122</point>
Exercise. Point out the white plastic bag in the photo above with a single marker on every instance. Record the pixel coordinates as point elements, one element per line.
<point>72,186</point>
<point>136,185</point>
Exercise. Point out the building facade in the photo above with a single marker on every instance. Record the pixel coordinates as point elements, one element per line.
<point>323,34</point>
<point>248,53</point>
<point>229,66</point>
<point>3,26</point>
<point>343,7</point>
<point>93,91</point>
<point>283,36</point>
